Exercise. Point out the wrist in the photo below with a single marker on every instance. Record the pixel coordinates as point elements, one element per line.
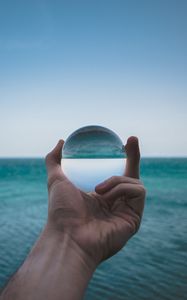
<point>75,267</point>
<point>68,249</point>
<point>55,267</point>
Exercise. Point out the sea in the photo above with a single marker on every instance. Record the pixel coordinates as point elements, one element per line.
<point>152,265</point>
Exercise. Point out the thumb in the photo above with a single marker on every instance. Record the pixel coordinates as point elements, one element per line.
<point>133,157</point>
<point>53,163</point>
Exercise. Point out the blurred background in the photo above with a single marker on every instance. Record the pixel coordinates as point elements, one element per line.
<point>121,64</point>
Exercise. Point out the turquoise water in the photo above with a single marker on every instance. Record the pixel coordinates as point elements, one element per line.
<point>153,265</point>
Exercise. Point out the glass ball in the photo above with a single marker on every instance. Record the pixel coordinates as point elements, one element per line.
<point>91,155</point>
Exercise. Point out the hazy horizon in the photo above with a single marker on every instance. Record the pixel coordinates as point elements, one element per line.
<point>118,64</point>
<point>43,157</point>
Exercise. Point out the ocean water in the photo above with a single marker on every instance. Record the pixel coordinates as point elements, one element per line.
<point>153,265</point>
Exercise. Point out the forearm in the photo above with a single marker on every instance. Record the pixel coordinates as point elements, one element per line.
<point>55,269</point>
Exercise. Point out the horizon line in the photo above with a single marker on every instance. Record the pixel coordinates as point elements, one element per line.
<point>43,157</point>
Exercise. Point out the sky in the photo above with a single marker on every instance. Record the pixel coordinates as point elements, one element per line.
<point>121,64</point>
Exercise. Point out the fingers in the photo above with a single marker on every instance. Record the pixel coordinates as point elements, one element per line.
<point>113,181</point>
<point>125,189</point>
<point>128,193</point>
<point>133,157</point>
<point>132,168</point>
<point>131,190</point>
<point>53,163</point>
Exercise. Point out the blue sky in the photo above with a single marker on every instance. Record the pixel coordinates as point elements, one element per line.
<point>117,63</point>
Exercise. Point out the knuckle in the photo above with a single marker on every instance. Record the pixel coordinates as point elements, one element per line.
<point>142,190</point>
<point>137,227</point>
<point>140,182</point>
<point>137,222</point>
<point>134,224</point>
<point>115,179</point>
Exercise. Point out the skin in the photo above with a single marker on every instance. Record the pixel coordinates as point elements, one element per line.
<point>82,230</point>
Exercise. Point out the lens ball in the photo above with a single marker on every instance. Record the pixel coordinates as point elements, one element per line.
<point>92,154</point>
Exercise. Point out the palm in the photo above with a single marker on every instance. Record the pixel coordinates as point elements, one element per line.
<point>109,228</point>
<point>98,227</point>
<point>101,222</point>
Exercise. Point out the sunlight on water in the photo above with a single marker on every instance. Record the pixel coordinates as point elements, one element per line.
<point>87,173</point>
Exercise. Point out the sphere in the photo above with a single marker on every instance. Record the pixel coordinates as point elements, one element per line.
<point>91,155</point>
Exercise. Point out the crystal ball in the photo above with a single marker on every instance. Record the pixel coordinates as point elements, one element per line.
<point>91,155</point>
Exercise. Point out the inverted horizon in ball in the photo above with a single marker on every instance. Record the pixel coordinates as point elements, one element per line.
<point>92,154</point>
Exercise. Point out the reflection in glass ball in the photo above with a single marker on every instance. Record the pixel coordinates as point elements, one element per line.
<point>92,154</point>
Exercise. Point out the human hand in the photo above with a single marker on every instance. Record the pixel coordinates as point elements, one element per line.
<point>99,223</point>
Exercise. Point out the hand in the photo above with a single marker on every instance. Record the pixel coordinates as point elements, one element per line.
<point>101,222</point>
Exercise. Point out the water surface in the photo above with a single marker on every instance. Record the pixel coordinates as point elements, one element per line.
<point>153,265</point>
